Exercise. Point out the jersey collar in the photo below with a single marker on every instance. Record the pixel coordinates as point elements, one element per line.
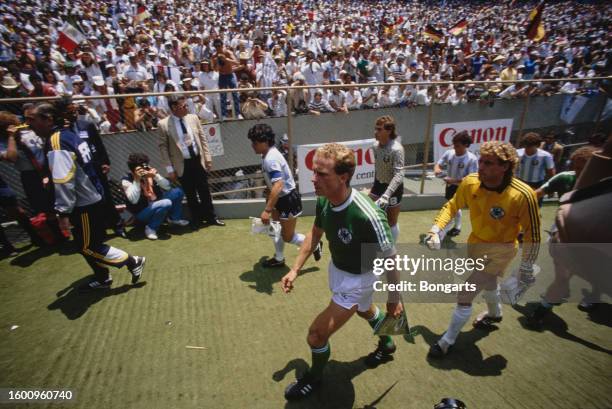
<point>346,203</point>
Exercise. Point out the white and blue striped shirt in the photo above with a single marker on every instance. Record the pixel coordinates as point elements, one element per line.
<point>532,169</point>
<point>458,167</point>
<point>275,168</point>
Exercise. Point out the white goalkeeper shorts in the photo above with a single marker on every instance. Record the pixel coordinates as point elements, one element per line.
<point>349,289</point>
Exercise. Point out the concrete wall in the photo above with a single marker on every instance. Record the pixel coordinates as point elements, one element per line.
<point>543,112</point>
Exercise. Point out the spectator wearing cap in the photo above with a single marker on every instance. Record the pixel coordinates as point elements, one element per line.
<point>107,108</point>
<point>135,71</point>
<point>244,68</point>
<point>278,103</point>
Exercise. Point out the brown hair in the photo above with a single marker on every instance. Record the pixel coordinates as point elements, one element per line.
<point>531,139</point>
<point>388,124</point>
<point>344,158</point>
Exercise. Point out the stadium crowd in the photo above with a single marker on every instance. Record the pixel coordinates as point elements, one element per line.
<point>107,47</point>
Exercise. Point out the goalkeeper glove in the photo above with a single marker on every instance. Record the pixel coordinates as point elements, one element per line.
<point>432,239</point>
<point>383,202</point>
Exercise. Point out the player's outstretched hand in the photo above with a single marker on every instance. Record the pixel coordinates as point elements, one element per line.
<point>287,281</point>
<point>394,309</point>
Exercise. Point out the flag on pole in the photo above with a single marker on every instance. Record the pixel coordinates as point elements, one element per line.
<point>433,33</point>
<point>459,27</point>
<point>70,37</point>
<point>535,24</point>
<point>141,14</point>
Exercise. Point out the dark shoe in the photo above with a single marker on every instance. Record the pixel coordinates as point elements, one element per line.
<point>10,251</point>
<point>535,320</point>
<point>439,350</point>
<point>453,232</point>
<point>194,226</point>
<point>120,232</point>
<point>273,262</point>
<point>381,355</point>
<point>95,285</point>
<point>216,222</point>
<point>301,388</point>
<point>138,268</point>
<point>586,306</point>
<point>318,251</point>
<point>486,322</point>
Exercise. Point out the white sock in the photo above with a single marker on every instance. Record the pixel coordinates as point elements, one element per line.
<point>298,239</point>
<point>446,229</point>
<point>279,246</point>
<point>395,232</point>
<point>458,220</point>
<point>493,302</point>
<point>460,317</point>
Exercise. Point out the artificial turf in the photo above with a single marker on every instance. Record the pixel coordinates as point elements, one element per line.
<point>128,348</point>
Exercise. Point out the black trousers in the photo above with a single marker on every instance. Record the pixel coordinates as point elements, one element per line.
<point>197,192</point>
<point>89,236</point>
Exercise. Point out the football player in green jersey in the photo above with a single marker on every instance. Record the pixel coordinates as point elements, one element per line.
<point>349,219</point>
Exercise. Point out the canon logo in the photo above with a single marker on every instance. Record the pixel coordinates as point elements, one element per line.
<point>361,156</point>
<point>478,135</point>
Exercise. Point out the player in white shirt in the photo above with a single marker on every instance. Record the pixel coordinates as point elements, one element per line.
<point>284,203</point>
<point>535,164</point>
<point>459,162</point>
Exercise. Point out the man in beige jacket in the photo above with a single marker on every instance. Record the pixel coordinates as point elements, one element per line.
<point>184,152</point>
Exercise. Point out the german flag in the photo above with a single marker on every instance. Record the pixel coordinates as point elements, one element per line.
<point>535,24</point>
<point>433,33</point>
<point>459,27</point>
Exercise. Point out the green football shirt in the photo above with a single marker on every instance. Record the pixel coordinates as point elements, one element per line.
<point>561,183</point>
<point>355,222</point>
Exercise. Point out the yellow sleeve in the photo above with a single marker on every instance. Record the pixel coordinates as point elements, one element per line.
<point>449,210</point>
<point>529,216</point>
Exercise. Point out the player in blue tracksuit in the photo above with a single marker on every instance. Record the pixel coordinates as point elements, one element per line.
<point>79,198</point>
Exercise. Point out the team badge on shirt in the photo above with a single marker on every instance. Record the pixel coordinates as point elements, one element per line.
<point>345,235</point>
<point>497,213</point>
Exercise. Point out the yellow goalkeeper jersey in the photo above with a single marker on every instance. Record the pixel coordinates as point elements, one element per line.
<point>496,217</point>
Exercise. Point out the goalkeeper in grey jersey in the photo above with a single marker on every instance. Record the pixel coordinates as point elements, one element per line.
<point>388,185</point>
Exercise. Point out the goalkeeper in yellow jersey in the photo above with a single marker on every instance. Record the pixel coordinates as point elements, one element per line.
<point>500,206</point>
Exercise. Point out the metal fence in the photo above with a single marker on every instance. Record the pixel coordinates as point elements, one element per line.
<point>236,174</point>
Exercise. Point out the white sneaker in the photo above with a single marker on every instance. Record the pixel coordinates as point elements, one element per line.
<point>179,222</point>
<point>150,233</point>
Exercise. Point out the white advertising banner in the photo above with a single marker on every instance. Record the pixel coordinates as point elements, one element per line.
<point>480,131</point>
<point>213,135</point>
<point>364,155</point>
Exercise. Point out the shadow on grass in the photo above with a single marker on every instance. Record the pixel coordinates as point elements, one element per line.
<point>465,354</point>
<point>75,304</point>
<point>336,391</point>
<point>601,314</point>
<point>136,233</point>
<point>556,325</point>
<point>34,254</point>
<point>264,278</point>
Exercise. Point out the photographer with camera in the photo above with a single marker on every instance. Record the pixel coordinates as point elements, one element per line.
<point>151,198</point>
